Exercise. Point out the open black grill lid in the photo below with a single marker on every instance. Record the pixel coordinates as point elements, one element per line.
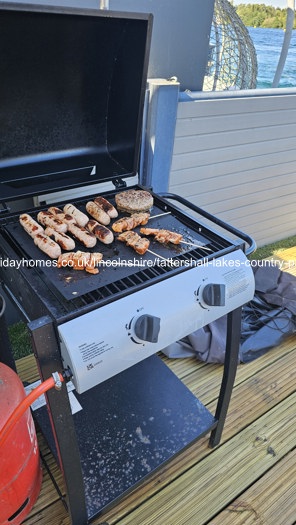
<point>72,94</point>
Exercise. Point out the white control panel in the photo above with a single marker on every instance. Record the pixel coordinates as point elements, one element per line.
<point>102,343</point>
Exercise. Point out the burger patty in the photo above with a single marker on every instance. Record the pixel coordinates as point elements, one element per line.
<point>132,201</point>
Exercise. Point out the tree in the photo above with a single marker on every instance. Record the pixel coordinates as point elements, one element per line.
<point>260,15</point>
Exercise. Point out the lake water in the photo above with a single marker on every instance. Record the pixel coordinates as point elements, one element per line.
<point>268,45</point>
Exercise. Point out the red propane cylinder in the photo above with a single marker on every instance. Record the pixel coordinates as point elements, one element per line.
<point>20,469</point>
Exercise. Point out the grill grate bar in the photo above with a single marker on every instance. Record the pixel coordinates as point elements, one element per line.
<point>143,276</point>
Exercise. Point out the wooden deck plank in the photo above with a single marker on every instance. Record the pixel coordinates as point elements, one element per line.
<point>269,501</point>
<point>202,491</point>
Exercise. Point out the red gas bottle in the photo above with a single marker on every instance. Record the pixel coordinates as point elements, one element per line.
<point>20,469</point>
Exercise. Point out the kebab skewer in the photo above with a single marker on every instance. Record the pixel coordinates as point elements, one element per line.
<point>139,244</point>
<point>129,223</point>
<point>167,236</point>
<point>135,219</point>
<point>135,241</point>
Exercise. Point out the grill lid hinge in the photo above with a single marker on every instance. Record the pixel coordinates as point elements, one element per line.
<point>119,184</point>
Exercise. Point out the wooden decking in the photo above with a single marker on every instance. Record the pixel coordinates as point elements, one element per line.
<point>248,479</point>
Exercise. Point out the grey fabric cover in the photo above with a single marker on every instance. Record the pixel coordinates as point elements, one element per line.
<point>266,321</point>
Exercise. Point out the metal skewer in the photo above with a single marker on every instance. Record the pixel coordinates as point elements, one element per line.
<point>182,242</point>
<point>160,256</point>
<point>197,245</point>
<point>159,215</point>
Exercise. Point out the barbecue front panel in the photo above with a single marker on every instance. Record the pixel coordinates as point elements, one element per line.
<point>102,343</point>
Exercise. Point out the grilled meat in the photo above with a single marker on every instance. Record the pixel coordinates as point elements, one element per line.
<point>80,261</point>
<point>101,232</point>
<point>134,200</point>
<point>97,213</point>
<point>48,219</point>
<point>163,236</point>
<point>47,245</point>
<point>30,225</point>
<point>60,214</point>
<point>106,206</point>
<point>86,238</point>
<point>129,223</point>
<point>80,217</point>
<point>135,241</point>
<point>62,239</point>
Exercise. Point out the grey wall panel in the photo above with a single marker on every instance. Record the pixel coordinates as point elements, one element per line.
<point>236,158</point>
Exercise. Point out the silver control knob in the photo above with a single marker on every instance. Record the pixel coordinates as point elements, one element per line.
<point>146,328</point>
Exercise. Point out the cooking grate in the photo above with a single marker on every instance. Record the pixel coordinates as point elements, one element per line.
<point>66,293</point>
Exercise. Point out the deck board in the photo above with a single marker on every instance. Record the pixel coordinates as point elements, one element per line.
<point>248,479</point>
<point>258,504</point>
<point>223,474</point>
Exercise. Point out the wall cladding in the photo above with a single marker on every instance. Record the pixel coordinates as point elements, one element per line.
<point>236,157</point>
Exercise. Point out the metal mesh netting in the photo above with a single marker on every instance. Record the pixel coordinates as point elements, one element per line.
<point>232,62</point>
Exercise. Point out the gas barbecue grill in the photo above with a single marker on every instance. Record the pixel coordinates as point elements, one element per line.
<point>72,94</point>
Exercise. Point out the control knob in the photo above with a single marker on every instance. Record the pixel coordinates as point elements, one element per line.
<point>146,328</point>
<point>213,294</point>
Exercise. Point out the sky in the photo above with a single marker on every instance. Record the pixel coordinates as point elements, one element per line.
<point>275,3</point>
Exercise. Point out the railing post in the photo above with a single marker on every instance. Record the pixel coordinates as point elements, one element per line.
<point>159,133</point>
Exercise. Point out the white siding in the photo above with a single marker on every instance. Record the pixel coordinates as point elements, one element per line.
<point>236,158</point>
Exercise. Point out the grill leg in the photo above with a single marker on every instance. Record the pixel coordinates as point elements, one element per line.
<point>230,367</point>
<point>46,350</point>
<point>6,356</point>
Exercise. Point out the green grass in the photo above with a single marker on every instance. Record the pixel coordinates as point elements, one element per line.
<point>270,249</point>
<point>19,335</point>
<point>19,339</point>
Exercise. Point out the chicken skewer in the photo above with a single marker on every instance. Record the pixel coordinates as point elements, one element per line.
<point>135,241</point>
<point>139,244</point>
<point>134,220</point>
<point>166,236</point>
<point>129,223</point>
<point>163,236</point>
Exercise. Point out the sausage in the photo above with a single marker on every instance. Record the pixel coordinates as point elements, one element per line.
<point>86,238</point>
<point>106,206</point>
<point>48,219</point>
<point>80,217</point>
<point>62,239</point>
<point>101,232</point>
<point>97,213</point>
<point>47,245</point>
<point>64,217</point>
<point>30,225</point>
